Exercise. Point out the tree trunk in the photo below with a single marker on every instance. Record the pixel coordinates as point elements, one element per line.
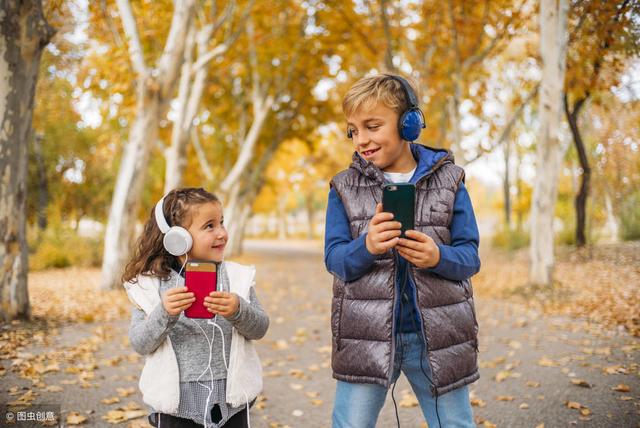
<point>585,176</point>
<point>311,231</point>
<point>549,150</point>
<point>152,98</point>
<point>506,185</point>
<point>126,195</point>
<point>282,217</point>
<point>43,185</point>
<point>24,33</point>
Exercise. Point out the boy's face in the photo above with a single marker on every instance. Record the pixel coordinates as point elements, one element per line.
<point>208,232</point>
<point>376,138</point>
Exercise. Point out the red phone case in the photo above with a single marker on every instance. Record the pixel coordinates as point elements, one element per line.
<point>201,278</point>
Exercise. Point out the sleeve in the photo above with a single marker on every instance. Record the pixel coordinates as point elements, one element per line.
<point>460,260</point>
<point>344,257</point>
<point>251,320</point>
<point>147,333</point>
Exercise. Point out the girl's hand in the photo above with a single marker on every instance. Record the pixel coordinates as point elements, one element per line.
<point>176,300</point>
<point>223,303</point>
<point>421,249</point>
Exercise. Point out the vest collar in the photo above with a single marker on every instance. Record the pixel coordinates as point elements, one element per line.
<point>368,169</point>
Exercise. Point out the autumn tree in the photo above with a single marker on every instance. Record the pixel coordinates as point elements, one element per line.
<point>549,150</point>
<point>24,32</point>
<point>154,89</point>
<point>603,35</point>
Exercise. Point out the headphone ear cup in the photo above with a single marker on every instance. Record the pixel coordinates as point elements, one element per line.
<point>177,241</point>
<point>411,124</point>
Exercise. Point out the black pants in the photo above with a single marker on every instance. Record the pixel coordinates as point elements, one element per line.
<point>239,420</point>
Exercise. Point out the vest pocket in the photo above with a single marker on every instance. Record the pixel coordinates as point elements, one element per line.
<point>439,213</point>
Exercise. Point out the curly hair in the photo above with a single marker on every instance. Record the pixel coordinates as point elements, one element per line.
<point>150,256</point>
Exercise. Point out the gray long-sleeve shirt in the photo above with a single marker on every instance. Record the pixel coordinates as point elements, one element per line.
<point>189,343</point>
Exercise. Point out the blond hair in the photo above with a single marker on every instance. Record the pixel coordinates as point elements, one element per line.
<point>367,92</point>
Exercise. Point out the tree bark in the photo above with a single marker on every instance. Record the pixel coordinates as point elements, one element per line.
<point>24,33</point>
<point>153,93</point>
<point>580,201</point>
<point>506,185</point>
<point>549,150</point>
<point>43,185</point>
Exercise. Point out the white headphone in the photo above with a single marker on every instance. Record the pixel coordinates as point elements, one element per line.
<point>177,240</point>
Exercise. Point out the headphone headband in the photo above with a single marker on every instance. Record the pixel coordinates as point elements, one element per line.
<point>408,91</point>
<point>161,221</point>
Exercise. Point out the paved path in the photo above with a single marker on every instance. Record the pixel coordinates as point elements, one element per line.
<point>527,362</point>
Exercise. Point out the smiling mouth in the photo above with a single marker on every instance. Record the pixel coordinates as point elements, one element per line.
<point>368,153</point>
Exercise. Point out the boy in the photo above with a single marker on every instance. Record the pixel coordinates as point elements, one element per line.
<point>400,304</point>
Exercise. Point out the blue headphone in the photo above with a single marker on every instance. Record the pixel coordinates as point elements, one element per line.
<point>411,121</point>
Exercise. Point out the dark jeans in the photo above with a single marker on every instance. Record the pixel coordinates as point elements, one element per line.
<point>239,420</point>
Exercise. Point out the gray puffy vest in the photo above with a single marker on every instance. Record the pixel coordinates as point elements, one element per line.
<point>362,312</point>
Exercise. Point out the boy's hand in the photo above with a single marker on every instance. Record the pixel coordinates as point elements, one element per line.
<point>421,249</point>
<point>223,303</point>
<point>383,232</point>
<point>176,300</point>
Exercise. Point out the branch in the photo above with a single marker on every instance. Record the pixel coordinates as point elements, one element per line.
<point>474,59</point>
<point>202,158</point>
<point>229,41</point>
<point>112,28</point>
<point>388,55</point>
<point>131,31</point>
<point>171,58</point>
<point>507,129</point>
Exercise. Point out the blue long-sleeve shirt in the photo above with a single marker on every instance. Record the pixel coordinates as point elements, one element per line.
<point>349,259</point>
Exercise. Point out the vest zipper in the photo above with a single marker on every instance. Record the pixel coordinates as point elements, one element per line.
<point>433,388</point>
<point>393,318</point>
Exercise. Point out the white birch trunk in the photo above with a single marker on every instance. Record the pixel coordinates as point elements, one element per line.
<point>549,150</point>
<point>153,95</point>
<point>23,35</point>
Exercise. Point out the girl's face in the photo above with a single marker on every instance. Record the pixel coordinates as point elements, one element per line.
<point>208,232</point>
<point>376,137</point>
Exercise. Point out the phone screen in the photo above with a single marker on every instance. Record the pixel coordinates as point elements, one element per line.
<point>201,278</point>
<point>399,199</point>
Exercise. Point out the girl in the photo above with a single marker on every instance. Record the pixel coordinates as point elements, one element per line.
<point>197,372</point>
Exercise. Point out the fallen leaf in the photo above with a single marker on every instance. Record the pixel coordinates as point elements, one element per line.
<point>573,404</point>
<point>125,392</point>
<point>546,362</point>
<point>524,406</point>
<point>505,398</point>
<point>75,418</point>
<point>500,376</point>
<point>476,402</point>
<point>622,388</point>
<point>408,400</point>
<point>581,382</point>
<point>54,388</point>
<point>111,400</point>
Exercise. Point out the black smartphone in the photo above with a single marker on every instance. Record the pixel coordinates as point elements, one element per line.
<point>399,199</point>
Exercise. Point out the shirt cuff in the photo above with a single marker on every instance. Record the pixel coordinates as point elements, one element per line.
<point>361,253</point>
<point>444,264</point>
<point>162,317</point>
<point>241,310</point>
